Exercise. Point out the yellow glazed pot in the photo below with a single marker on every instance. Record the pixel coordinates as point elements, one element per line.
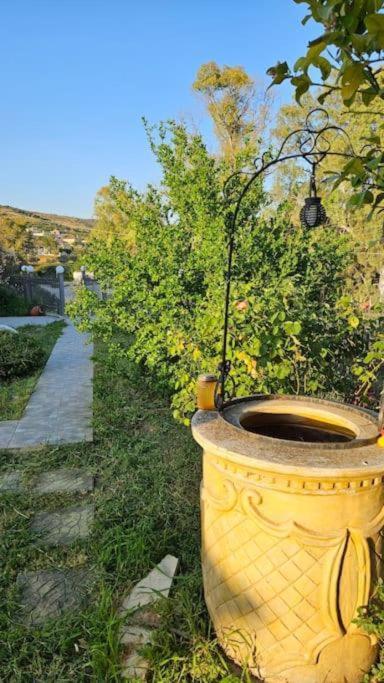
<point>292,507</point>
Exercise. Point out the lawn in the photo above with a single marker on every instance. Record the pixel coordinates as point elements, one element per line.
<point>14,395</point>
<point>147,505</point>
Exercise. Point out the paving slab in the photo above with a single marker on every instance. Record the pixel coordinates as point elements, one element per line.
<point>49,593</point>
<point>142,620</point>
<point>155,585</point>
<point>11,482</point>
<point>63,481</point>
<point>63,527</point>
<point>59,410</point>
<point>134,665</point>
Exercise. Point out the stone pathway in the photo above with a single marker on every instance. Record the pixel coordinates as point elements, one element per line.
<point>59,410</point>
<point>48,593</point>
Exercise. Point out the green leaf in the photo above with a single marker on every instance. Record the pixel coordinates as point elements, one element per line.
<point>292,327</point>
<point>352,78</point>
<point>321,98</point>
<point>375,23</point>
<point>368,95</point>
<point>279,72</point>
<point>353,321</point>
<point>325,67</point>
<point>302,84</point>
<point>282,370</point>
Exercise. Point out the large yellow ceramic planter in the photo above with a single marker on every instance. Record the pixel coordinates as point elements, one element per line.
<point>291,539</point>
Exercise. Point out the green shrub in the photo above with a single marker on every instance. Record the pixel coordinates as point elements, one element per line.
<point>20,355</point>
<point>11,303</point>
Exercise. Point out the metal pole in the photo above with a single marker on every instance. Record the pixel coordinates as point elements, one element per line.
<point>224,366</point>
<point>60,277</point>
<point>29,289</point>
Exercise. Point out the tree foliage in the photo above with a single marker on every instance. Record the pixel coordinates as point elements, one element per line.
<point>115,206</point>
<point>346,60</point>
<point>292,326</point>
<point>292,182</point>
<point>16,240</point>
<point>238,110</point>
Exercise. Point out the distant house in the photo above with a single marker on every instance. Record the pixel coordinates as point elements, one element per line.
<point>44,251</point>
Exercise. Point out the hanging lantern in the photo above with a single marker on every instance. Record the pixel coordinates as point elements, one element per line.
<point>313,213</point>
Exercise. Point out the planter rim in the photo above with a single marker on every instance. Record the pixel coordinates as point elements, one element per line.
<point>222,434</point>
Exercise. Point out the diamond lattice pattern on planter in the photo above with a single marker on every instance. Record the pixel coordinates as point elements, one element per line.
<point>275,594</point>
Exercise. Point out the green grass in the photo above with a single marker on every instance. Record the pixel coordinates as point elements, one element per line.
<point>14,395</point>
<point>147,505</point>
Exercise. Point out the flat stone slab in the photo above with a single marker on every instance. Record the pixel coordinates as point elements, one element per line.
<point>134,666</point>
<point>49,593</point>
<point>154,586</point>
<point>63,527</point>
<point>11,482</point>
<point>143,620</point>
<point>63,481</point>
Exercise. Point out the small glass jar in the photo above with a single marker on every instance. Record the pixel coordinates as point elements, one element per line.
<point>206,385</point>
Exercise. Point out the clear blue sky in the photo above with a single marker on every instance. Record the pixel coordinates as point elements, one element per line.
<point>77,75</point>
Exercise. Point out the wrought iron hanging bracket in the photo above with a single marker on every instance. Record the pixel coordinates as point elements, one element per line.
<point>312,145</point>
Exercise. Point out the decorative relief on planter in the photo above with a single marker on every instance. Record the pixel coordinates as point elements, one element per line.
<point>301,570</point>
<point>287,561</point>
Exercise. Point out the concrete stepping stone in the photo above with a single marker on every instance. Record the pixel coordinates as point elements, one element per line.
<point>64,481</point>
<point>11,482</point>
<point>142,619</point>
<point>63,527</point>
<point>133,639</point>
<point>49,593</point>
<point>156,584</point>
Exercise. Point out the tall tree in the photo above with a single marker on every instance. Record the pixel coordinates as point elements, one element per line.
<point>238,110</point>
<point>116,206</point>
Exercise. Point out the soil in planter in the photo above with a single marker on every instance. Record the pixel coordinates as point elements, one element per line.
<point>296,428</point>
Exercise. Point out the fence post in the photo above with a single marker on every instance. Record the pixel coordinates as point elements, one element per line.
<point>82,270</point>
<point>29,271</point>
<point>24,270</point>
<point>60,277</point>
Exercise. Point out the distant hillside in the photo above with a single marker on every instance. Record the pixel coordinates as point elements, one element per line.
<point>42,238</point>
<point>48,221</point>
